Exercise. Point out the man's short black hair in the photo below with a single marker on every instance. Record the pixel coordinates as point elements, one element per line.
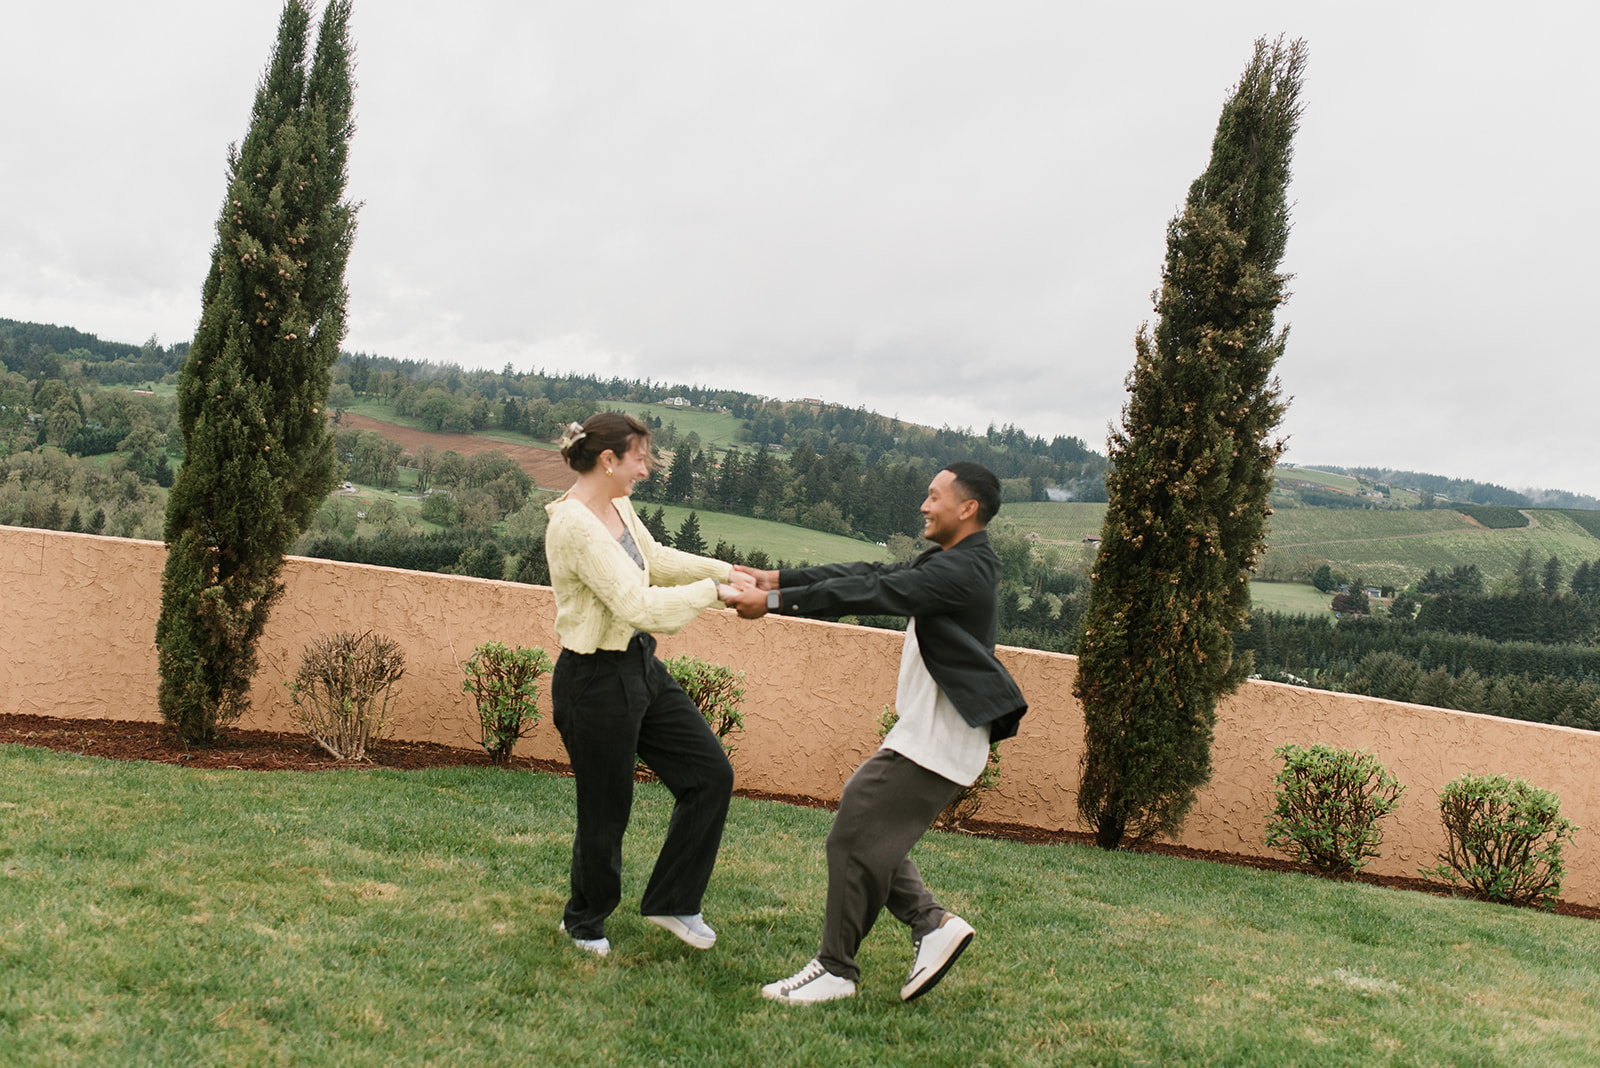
<point>979,484</point>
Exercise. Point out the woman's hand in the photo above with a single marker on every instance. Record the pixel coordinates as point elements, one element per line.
<point>764,580</point>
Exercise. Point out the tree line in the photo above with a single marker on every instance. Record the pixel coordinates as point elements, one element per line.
<point>1530,651</point>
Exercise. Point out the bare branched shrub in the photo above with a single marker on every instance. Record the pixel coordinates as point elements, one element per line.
<point>343,690</point>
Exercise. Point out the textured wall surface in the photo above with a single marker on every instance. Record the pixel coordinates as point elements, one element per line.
<point>77,625</point>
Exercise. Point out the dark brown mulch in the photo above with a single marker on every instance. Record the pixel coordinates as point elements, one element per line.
<point>284,751</point>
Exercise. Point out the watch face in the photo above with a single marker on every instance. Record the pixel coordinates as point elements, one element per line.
<point>772,600</point>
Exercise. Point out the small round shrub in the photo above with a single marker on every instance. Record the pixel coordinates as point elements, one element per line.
<point>1330,802</point>
<point>716,691</point>
<point>504,684</point>
<point>1504,839</point>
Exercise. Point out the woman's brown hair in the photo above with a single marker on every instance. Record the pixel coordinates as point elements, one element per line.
<point>581,446</point>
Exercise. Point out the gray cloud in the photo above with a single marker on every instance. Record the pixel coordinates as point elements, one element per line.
<point>946,211</point>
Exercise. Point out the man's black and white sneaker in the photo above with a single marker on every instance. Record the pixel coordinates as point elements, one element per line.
<point>692,929</point>
<point>935,952</point>
<point>810,984</point>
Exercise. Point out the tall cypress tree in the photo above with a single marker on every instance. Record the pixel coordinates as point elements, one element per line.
<point>1193,464</point>
<point>252,395</point>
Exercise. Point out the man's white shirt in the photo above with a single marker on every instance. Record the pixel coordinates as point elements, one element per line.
<point>930,732</point>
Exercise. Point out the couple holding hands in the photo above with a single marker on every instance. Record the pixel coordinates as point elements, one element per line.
<point>615,587</point>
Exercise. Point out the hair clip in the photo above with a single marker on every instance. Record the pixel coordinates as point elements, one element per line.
<point>572,435</point>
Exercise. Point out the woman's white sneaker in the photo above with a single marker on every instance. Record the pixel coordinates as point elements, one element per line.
<point>600,947</point>
<point>692,929</point>
<point>810,984</point>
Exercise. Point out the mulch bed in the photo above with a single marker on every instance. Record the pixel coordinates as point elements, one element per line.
<point>283,751</point>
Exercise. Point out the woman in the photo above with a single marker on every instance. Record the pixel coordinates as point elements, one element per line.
<point>615,586</point>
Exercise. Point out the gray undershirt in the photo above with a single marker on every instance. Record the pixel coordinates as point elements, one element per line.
<point>631,547</point>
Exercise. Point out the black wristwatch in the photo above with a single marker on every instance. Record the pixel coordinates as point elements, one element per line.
<point>774,602</point>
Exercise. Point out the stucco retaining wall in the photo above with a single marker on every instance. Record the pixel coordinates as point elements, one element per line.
<point>77,623</point>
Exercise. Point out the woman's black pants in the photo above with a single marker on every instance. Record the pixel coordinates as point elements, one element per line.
<point>608,707</point>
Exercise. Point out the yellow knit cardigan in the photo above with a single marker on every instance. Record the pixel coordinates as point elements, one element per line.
<point>603,596</point>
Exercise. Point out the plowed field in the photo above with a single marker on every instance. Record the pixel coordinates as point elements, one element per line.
<point>545,466</point>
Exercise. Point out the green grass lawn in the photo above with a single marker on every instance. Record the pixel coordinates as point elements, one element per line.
<point>779,540</point>
<point>1290,598</point>
<point>151,914</point>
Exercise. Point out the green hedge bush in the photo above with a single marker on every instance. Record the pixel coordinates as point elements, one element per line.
<point>504,684</point>
<point>1504,839</point>
<point>1330,802</point>
<point>716,691</point>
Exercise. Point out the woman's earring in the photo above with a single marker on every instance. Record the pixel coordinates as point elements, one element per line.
<point>608,472</point>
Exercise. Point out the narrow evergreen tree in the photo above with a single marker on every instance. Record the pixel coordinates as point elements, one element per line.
<point>680,477</point>
<point>252,395</point>
<point>1193,464</point>
<point>689,538</point>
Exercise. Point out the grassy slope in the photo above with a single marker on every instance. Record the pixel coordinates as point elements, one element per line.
<point>779,540</point>
<point>1399,547</point>
<point>1290,598</point>
<point>1064,524</point>
<point>715,428</point>
<point>1344,483</point>
<point>152,914</point>
<point>382,410</point>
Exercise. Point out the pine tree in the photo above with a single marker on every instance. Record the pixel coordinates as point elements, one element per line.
<point>1193,464</point>
<point>252,395</point>
<point>689,538</point>
<point>680,478</point>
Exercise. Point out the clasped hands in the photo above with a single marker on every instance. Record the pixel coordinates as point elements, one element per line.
<point>746,591</point>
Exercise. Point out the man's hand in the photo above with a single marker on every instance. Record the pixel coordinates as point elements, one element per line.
<point>750,603</point>
<point>764,580</point>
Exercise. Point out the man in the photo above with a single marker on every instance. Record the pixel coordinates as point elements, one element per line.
<point>954,699</point>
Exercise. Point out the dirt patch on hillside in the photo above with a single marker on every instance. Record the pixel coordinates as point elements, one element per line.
<point>545,466</point>
<point>244,750</point>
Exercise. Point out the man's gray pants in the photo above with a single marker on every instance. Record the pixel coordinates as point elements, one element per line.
<point>888,804</point>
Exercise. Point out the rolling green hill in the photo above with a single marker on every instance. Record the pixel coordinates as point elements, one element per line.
<point>715,428</point>
<point>1397,548</point>
<point>1384,547</point>
<point>1343,483</point>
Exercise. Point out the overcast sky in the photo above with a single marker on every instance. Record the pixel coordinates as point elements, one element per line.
<point>953,212</point>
